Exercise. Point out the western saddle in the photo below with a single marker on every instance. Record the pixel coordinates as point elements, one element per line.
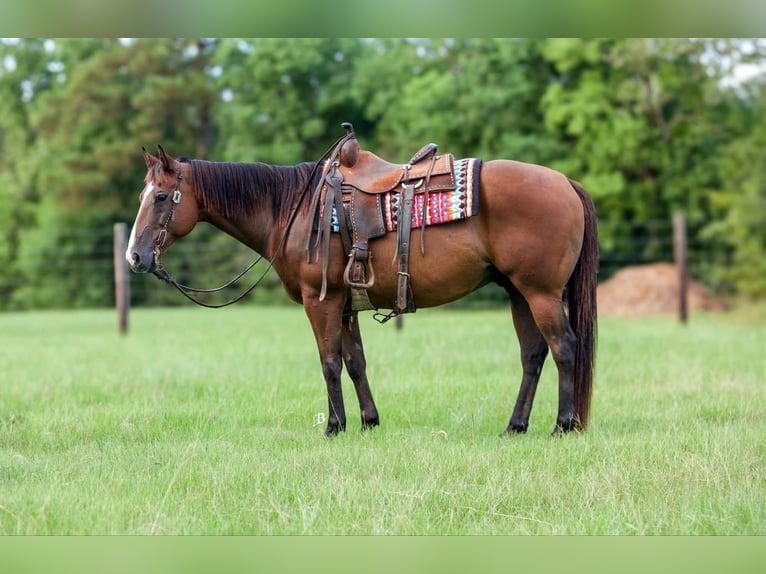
<point>352,186</point>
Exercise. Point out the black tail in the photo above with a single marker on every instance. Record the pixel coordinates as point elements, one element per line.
<point>583,314</point>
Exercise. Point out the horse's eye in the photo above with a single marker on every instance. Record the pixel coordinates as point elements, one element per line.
<point>160,197</point>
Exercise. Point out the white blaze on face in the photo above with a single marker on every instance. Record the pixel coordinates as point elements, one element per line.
<point>147,193</point>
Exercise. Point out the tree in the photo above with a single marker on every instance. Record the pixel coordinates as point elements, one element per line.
<point>645,120</point>
<point>743,199</point>
<point>283,99</point>
<point>25,74</point>
<point>109,98</point>
<point>473,97</point>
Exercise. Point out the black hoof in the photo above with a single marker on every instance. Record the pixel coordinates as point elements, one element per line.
<point>572,425</point>
<point>372,423</point>
<point>334,429</point>
<point>513,429</point>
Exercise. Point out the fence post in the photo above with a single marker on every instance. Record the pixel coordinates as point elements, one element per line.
<point>121,276</point>
<point>680,255</point>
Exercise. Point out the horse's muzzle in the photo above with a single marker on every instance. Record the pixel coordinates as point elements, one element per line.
<point>139,264</point>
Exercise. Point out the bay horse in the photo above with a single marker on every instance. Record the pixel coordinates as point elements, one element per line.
<point>535,235</point>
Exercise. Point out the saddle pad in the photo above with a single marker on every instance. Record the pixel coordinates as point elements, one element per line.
<point>443,206</point>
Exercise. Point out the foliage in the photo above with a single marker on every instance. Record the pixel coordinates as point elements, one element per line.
<point>742,198</point>
<point>646,121</point>
<point>650,126</point>
<point>283,99</point>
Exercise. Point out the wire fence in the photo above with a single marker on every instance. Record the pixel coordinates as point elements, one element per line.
<point>636,243</point>
<point>209,258</point>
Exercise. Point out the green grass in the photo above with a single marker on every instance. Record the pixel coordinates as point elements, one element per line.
<point>206,422</point>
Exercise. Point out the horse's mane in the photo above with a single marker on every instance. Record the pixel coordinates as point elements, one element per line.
<point>239,189</point>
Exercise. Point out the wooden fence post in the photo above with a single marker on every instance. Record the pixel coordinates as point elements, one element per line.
<point>121,276</point>
<point>680,255</point>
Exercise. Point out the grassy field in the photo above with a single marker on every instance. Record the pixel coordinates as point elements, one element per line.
<point>208,422</point>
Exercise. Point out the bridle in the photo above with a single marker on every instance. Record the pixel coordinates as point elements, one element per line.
<point>162,236</point>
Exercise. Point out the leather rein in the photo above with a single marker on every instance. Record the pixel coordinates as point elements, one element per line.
<point>161,273</point>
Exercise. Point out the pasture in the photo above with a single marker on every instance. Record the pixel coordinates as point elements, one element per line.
<point>210,422</point>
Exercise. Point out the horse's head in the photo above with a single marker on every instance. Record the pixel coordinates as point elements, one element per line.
<point>168,210</point>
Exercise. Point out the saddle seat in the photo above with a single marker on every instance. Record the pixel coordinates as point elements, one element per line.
<point>365,171</point>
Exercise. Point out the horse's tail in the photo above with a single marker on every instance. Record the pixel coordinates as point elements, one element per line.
<point>582,308</point>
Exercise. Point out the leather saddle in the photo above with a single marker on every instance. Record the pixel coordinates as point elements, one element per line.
<point>365,171</point>
<point>351,187</point>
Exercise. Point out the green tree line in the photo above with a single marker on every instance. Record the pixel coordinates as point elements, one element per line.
<point>649,126</point>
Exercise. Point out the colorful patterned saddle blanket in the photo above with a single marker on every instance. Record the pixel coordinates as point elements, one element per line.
<point>441,205</point>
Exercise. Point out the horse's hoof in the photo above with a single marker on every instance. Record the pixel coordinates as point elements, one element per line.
<point>572,426</point>
<point>333,430</point>
<point>369,424</point>
<point>513,429</point>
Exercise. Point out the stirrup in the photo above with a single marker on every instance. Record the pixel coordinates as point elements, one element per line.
<point>366,265</point>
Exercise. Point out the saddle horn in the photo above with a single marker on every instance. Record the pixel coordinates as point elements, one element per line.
<point>349,151</point>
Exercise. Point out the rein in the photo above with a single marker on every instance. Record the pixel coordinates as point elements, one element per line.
<point>161,273</point>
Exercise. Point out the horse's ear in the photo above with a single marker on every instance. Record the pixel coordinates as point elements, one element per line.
<point>149,158</point>
<point>167,161</point>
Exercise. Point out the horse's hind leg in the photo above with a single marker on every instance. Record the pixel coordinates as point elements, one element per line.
<point>534,350</point>
<point>550,318</point>
<point>356,365</point>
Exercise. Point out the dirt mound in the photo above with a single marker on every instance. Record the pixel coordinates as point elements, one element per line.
<point>651,290</point>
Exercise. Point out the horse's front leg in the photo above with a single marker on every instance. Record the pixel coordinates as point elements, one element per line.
<point>356,366</point>
<point>325,318</point>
